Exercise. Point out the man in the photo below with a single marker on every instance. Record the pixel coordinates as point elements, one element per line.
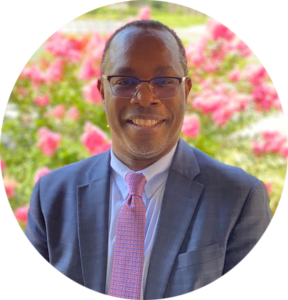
<point>152,217</point>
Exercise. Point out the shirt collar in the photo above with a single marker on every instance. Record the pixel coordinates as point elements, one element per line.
<point>156,174</point>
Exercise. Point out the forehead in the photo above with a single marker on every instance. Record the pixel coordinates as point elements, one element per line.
<point>144,52</point>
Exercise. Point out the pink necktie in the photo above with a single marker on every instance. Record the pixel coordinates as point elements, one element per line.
<point>129,244</point>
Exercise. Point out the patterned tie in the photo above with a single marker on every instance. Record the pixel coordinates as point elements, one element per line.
<point>129,244</point>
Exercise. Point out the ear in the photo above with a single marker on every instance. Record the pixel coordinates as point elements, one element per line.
<point>188,86</point>
<point>100,87</point>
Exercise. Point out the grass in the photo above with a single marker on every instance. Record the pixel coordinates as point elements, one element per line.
<point>173,20</point>
<point>179,20</point>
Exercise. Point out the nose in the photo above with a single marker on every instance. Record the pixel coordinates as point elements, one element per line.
<point>144,96</point>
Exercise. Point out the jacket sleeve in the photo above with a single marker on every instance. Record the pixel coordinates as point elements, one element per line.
<point>251,224</point>
<point>36,227</point>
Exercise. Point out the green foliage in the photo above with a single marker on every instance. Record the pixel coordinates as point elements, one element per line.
<point>137,3</point>
<point>160,12</point>
<point>65,86</point>
<point>179,20</point>
<point>104,13</point>
<point>159,5</point>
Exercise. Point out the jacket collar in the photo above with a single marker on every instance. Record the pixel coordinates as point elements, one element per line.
<point>180,199</point>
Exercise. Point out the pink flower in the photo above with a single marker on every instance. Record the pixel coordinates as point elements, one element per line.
<point>265,97</point>
<point>206,102</point>
<point>284,151</point>
<point>95,48</point>
<point>25,72</point>
<point>41,172</point>
<point>145,13</point>
<point>10,187</point>
<point>54,72</point>
<point>270,142</point>
<point>73,113</point>
<point>241,101</point>
<point>22,91</point>
<point>33,73</point>
<point>191,125</point>
<point>219,31</point>
<point>58,111</point>
<point>242,48</point>
<point>94,139</point>
<point>210,66</point>
<point>196,53</point>
<point>90,69</point>
<point>98,52</point>
<point>256,74</point>
<point>91,93</point>
<point>274,141</point>
<point>48,141</point>
<point>64,47</point>
<point>78,43</point>
<point>206,84</point>
<point>42,101</point>
<point>219,51</point>
<point>224,113</point>
<point>37,75</point>
<point>2,165</point>
<point>234,75</point>
<point>257,148</point>
<point>21,214</point>
<point>222,101</point>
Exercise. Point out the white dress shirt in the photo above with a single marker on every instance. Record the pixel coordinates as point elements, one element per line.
<point>156,176</point>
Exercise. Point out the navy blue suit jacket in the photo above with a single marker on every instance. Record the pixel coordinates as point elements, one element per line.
<point>212,215</point>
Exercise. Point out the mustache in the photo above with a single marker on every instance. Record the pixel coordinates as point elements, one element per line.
<point>145,113</point>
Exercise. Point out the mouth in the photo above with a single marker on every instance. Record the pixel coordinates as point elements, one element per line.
<point>145,123</point>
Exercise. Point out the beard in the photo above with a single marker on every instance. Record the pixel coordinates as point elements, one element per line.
<point>146,150</point>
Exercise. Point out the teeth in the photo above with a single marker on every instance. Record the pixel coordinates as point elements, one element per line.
<point>142,122</point>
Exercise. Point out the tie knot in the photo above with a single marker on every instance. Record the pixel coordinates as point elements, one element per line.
<point>136,183</point>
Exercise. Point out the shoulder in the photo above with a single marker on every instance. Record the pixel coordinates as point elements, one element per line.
<point>204,169</point>
<point>215,170</point>
<point>196,164</point>
<point>230,187</point>
<point>78,173</point>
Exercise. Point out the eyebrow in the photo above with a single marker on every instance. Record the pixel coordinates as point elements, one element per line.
<point>162,69</point>
<point>125,71</point>
<point>129,71</point>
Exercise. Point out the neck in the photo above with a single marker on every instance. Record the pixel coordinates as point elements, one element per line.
<point>136,163</point>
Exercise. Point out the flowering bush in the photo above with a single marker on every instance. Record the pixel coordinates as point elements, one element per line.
<point>58,119</point>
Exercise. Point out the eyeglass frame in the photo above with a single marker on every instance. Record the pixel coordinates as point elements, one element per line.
<point>109,77</point>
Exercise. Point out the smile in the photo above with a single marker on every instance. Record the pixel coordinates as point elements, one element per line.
<point>143,122</point>
<point>145,125</point>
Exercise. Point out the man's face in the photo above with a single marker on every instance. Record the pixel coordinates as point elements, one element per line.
<point>144,127</point>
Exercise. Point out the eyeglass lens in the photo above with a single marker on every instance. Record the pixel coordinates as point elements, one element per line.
<point>127,87</point>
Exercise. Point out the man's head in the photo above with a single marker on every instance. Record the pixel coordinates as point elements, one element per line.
<point>144,126</point>
<point>148,24</point>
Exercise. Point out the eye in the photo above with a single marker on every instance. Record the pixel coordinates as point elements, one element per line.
<point>125,82</point>
<point>163,81</point>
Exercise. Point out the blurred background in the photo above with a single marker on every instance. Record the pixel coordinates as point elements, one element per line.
<point>54,115</point>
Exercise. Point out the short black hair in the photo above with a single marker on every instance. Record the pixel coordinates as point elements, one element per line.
<point>151,24</point>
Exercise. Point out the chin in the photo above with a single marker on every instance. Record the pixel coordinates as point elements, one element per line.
<point>148,151</point>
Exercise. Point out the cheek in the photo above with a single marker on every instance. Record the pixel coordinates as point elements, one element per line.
<point>114,111</point>
<point>179,111</point>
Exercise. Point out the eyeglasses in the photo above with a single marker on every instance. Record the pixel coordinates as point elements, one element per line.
<point>128,87</point>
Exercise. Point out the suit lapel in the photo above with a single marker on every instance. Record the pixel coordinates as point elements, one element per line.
<point>93,215</point>
<point>179,202</point>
